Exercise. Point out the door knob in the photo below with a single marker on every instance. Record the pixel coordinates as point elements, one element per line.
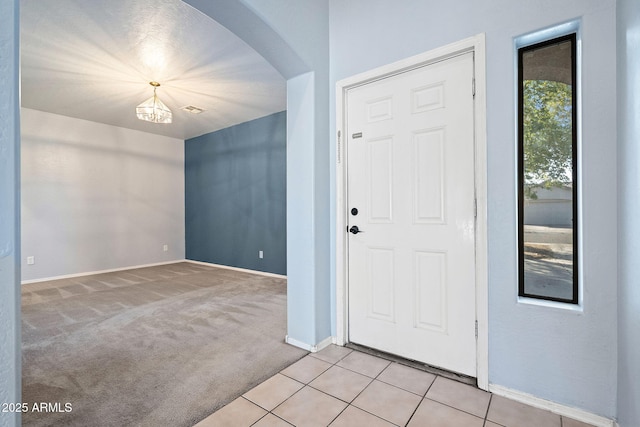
<point>355,230</point>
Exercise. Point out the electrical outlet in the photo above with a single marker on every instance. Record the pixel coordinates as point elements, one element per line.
<point>165,248</point>
<point>31,260</point>
<point>260,254</point>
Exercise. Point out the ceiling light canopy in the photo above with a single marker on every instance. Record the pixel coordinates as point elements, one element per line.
<point>153,110</point>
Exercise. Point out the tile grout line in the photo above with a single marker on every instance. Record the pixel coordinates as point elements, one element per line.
<point>457,409</point>
<point>265,415</point>
<point>371,382</point>
<point>376,378</point>
<point>296,392</point>
<point>340,413</point>
<point>416,410</point>
<point>302,388</point>
<point>422,400</point>
<point>361,391</point>
<point>488,406</point>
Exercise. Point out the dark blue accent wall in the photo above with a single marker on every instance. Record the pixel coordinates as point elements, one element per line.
<point>235,195</point>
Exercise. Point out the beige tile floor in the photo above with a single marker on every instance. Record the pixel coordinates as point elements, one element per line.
<point>339,387</point>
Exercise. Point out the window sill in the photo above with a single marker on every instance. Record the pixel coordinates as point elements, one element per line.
<point>576,308</point>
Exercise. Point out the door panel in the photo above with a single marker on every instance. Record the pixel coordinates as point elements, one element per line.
<point>429,176</point>
<point>380,179</point>
<point>381,296</point>
<point>430,291</point>
<point>410,154</point>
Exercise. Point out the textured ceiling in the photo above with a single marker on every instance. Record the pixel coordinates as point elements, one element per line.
<point>94,59</point>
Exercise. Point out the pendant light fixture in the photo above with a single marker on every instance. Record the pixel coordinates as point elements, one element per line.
<point>154,110</point>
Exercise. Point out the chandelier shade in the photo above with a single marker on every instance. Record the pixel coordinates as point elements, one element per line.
<point>153,110</point>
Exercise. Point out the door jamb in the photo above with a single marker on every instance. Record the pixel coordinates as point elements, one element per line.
<point>474,44</point>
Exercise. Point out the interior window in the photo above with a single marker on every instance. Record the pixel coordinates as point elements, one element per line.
<point>547,170</point>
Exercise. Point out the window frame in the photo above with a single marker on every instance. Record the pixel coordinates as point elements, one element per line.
<point>521,50</point>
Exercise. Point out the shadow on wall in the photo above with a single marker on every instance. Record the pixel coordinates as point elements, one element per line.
<point>235,195</point>
<point>97,197</point>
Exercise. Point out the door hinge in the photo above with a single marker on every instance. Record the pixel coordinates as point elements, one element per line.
<point>475,208</point>
<point>473,87</point>
<point>476,329</point>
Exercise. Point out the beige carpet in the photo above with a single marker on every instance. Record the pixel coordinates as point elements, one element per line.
<point>157,346</point>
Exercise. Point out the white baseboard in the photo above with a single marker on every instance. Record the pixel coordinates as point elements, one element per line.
<point>556,408</point>
<point>89,273</point>
<point>244,270</point>
<point>312,348</point>
<point>323,344</point>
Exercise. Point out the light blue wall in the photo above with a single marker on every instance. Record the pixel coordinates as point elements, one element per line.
<point>235,195</point>
<point>304,25</point>
<point>628,212</point>
<point>543,351</point>
<point>293,35</point>
<point>567,357</point>
<point>301,315</point>
<point>9,211</point>
<point>564,356</point>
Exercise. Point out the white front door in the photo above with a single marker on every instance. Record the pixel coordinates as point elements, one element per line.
<point>411,195</point>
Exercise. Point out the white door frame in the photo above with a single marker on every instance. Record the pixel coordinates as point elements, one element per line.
<point>474,44</point>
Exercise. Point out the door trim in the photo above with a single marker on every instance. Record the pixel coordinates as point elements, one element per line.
<point>474,44</point>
